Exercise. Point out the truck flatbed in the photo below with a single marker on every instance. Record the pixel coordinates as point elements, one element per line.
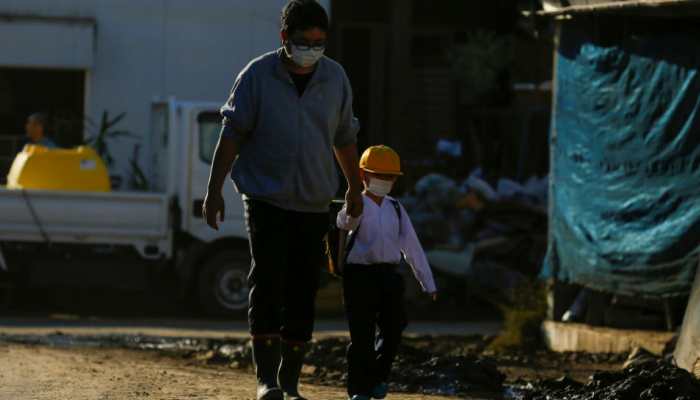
<point>125,218</point>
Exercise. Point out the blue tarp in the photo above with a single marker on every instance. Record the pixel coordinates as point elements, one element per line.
<point>626,163</point>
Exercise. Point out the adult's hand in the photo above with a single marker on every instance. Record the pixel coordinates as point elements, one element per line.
<point>354,202</point>
<point>347,158</point>
<point>213,207</point>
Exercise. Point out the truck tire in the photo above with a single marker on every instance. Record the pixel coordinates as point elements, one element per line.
<point>223,284</point>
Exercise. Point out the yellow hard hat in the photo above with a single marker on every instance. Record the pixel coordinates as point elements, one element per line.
<point>381,160</point>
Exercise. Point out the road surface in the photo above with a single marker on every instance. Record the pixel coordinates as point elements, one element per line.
<point>38,373</point>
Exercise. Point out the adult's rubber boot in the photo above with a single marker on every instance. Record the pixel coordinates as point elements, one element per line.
<point>266,357</point>
<point>290,369</point>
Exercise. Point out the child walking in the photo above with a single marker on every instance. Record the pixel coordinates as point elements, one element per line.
<point>373,286</point>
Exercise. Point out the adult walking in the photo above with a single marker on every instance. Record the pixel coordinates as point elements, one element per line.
<point>288,115</point>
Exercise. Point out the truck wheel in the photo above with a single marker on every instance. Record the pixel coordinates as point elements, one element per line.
<point>223,284</point>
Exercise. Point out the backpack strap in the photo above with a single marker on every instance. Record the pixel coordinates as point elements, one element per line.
<point>397,208</point>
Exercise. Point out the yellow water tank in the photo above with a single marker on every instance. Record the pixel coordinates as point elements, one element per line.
<point>79,169</point>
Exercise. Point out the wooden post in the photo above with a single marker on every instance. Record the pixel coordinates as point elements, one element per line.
<point>377,86</point>
<point>669,315</point>
<point>399,73</point>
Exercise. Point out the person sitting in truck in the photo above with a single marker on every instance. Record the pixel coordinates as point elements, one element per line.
<point>289,113</point>
<point>36,130</point>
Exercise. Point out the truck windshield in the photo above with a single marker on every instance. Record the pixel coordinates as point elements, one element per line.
<point>209,129</point>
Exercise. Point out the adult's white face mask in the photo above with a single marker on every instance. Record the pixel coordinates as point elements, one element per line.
<point>379,187</point>
<point>305,58</point>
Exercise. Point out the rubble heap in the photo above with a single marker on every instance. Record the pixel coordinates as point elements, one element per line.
<point>652,380</point>
<point>492,236</point>
<point>416,370</point>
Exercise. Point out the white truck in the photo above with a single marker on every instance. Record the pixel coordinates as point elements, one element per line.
<point>163,228</point>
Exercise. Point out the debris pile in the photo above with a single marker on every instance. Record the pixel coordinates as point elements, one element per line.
<point>416,370</point>
<point>492,236</point>
<point>422,372</point>
<point>651,379</point>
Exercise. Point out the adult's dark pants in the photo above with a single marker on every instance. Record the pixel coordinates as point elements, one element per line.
<point>374,306</point>
<point>287,254</point>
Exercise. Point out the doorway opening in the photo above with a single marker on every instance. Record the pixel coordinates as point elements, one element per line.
<point>23,91</point>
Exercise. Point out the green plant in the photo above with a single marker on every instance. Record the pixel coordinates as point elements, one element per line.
<point>102,133</point>
<point>477,65</point>
<point>100,138</point>
<point>522,317</point>
<point>138,180</point>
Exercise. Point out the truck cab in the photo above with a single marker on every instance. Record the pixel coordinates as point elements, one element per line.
<point>211,264</point>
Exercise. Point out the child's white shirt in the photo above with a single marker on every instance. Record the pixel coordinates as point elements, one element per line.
<point>378,240</point>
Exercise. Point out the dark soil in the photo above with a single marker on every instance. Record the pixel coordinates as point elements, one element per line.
<point>653,380</point>
<point>419,368</point>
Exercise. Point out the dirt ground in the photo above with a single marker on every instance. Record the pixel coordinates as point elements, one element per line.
<point>36,372</point>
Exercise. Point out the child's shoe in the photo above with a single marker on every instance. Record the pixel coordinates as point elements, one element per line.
<point>359,397</point>
<point>380,391</point>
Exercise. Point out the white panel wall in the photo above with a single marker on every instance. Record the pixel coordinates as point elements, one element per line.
<point>70,44</point>
<point>62,8</point>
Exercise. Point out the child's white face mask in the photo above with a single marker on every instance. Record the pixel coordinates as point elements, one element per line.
<point>379,187</point>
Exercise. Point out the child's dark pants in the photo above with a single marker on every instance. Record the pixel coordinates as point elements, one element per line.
<point>375,310</point>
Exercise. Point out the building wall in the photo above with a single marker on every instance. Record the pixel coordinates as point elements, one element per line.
<point>190,49</point>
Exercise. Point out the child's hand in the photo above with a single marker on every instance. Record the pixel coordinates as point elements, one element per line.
<point>433,296</point>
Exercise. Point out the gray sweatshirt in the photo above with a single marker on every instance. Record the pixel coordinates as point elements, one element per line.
<point>286,155</point>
